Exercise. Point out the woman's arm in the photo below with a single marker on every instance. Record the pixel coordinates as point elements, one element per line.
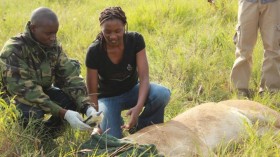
<point>143,72</point>
<point>92,84</point>
<point>144,85</point>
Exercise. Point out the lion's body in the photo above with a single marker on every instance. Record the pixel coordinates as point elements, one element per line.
<point>201,129</point>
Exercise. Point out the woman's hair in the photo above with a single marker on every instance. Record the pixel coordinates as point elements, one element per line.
<point>111,13</point>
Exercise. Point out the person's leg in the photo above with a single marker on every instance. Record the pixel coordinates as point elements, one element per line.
<point>55,125</point>
<point>112,121</point>
<point>56,95</point>
<point>270,32</point>
<point>31,119</point>
<point>153,112</point>
<point>28,113</point>
<point>247,31</point>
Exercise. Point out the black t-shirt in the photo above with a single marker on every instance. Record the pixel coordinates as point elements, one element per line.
<point>115,79</point>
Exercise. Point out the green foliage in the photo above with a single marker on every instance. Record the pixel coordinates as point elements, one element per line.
<point>189,47</point>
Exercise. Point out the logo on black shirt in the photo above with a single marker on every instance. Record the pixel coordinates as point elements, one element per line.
<point>129,67</point>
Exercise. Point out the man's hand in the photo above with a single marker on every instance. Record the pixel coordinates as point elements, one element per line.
<point>76,120</point>
<point>97,131</point>
<point>94,117</point>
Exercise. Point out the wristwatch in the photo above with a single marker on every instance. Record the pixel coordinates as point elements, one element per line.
<point>85,107</point>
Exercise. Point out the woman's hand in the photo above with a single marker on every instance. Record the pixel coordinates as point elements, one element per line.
<point>134,114</point>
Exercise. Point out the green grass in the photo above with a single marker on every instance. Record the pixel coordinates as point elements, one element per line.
<point>189,45</point>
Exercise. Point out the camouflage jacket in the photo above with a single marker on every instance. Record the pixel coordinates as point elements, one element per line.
<point>27,67</point>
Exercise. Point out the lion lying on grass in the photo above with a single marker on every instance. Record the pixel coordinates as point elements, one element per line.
<point>200,130</point>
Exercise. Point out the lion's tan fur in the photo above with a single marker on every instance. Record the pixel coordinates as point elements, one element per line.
<point>199,130</point>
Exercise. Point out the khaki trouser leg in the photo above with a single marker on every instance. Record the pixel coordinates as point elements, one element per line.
<point>247,31</point>
<point>270,31</point>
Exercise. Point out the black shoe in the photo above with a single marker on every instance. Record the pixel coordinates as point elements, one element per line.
<point>265,91</point>
<point>261,94</point>
<point>243,93</point>
<point>49,146</point>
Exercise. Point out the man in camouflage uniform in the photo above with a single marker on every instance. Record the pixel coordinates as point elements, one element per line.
<point>42,78</point>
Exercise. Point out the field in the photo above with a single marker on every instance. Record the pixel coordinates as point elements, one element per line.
<point>189,47</point>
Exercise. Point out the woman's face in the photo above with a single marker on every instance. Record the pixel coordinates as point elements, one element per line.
<point>113,32</point>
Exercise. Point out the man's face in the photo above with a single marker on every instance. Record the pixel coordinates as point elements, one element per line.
<point>45,32</point>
